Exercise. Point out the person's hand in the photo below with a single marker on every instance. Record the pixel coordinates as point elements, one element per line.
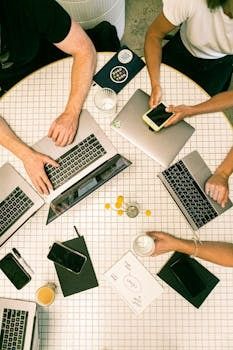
<point>155,97</point>
<point>179,113</point>
<point>217,188</point>
<point>34,165</point>
<point>63,129</point>
<point>164,242</point>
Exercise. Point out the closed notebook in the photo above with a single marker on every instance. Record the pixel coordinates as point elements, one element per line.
<point>208,279</point>
<point>72,283</point>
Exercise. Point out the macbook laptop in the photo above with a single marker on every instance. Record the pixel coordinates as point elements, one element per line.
<point>18,201</point>
<point>162,146</point>
<point>90,150</point>
<point>86,185</point>
<point>185,181</point>
<point>19,325</point>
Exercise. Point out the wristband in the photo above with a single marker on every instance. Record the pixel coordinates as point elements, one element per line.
<point>196,240</point>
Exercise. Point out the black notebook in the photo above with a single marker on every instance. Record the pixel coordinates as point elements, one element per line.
<point>119,70</point>
<point>188,277</point>
<point>72,283</point>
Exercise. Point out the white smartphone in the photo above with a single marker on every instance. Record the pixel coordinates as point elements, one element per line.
<point>66,257</point>
<point>157,117</point>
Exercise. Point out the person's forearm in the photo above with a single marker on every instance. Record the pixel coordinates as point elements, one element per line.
<point>153,54</point>
<point>226,167</point>
<point>81,78</point>
<point>216,103</point>
<point>12,142</point>
<point>217,252</point>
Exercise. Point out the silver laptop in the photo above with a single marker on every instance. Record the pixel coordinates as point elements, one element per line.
<point>89,150</point>
<point>185,181</point>
<point>19,325</point>
<point>162,146</point>
<point>18,201</point>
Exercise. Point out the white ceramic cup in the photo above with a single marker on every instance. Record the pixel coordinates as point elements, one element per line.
<point>106,100</point>
<point>143,245</point>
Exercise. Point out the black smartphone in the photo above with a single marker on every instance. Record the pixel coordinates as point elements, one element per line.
<point>14,271</point>
<point>187,276</point>
<point>157,117</point>
<point>67,257</point>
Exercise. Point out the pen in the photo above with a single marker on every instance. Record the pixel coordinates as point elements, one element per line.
<point>77,231</point>
<point>20,257</point>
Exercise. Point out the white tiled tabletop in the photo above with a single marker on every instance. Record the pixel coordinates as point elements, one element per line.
<point>98,319</point>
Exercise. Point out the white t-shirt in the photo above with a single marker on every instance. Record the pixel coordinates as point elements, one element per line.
<point>204,32</point>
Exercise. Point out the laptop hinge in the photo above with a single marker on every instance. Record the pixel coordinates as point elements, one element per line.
<point>86,185</point>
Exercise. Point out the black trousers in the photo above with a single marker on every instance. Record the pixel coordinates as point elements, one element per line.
<point>213,75</point>
<point>47,53</point>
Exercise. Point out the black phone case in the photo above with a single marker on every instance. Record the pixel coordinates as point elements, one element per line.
<point>61,263</point>
<point>188,276</point>
<point>167,275</point>
<point>16,273</point>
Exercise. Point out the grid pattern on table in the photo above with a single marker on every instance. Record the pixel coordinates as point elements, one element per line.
<point>98,318</point>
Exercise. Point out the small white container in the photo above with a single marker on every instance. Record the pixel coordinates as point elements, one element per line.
<point>144,245</point>
<point>106,101</point>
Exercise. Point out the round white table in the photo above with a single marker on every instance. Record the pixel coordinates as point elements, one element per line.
<point>98,319</point>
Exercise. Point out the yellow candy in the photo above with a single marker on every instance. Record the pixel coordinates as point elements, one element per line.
<point>120,199</point>
<point>118,205</point>
<point>120,212</point>
<point>148,212</point>
<point>107,206</point>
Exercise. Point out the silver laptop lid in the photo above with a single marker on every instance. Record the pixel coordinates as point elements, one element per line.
<point>30,308</point>
<point>13,185</point>
<point>162,146</point>
<point>87,126</point>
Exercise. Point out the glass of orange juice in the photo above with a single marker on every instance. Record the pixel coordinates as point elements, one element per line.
<point>45,295</point>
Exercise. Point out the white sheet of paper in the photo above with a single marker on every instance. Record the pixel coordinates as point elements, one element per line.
<point>135,284</point>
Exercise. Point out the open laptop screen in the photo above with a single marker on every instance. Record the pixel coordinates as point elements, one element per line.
<point>87,185</point>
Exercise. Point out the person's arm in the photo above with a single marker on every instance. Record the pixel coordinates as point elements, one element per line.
<point>153,54</point>
<point>217,185</point>
<point>216,103</point>
<point>33,161</point>
<point>220,253</point>
<point>77,44</point>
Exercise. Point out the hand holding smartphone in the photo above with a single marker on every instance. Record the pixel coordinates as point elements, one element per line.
<point>66,257</point>
<point>157,117</point>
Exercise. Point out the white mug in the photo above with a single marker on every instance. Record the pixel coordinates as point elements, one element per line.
<point>144,245</point>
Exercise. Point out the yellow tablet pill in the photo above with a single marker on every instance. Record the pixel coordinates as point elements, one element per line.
<point>120,199</point>
<point>107,206</point>
<point>148,212</point>
<point>120,212</point>
<point>118,205</point>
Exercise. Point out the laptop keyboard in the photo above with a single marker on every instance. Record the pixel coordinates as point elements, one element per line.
<point>190,194</point>
<point>12,208</point>
<point>13,329</point>
<point>75,160</point>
